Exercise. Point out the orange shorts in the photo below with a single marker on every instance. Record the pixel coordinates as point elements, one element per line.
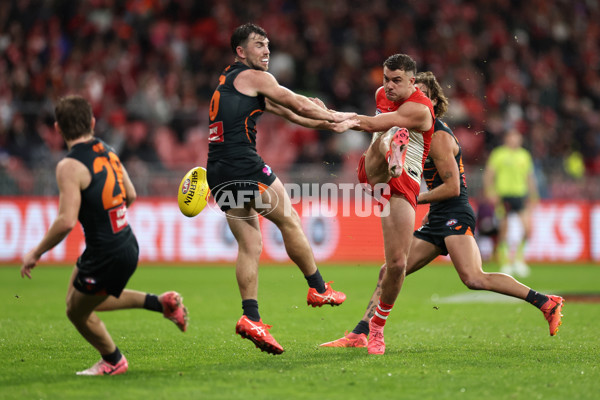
<point>402,186</point>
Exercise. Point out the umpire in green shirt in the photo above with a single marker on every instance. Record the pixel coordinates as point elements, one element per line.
<point>510,184</point>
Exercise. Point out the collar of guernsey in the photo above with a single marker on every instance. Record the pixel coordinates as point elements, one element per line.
<point>418,145</point>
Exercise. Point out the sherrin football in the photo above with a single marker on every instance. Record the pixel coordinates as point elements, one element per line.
<point>193,192</point>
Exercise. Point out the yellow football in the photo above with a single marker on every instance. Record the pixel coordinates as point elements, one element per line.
<point>193,192</point>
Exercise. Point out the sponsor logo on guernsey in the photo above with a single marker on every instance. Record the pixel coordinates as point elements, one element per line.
<point>267,170</point>
<point>215,132</point>
<point>191,189</point>
<point>451,222</point>
<point>118,218</point>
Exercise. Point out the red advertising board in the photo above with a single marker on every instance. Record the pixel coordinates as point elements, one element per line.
<point>562,232</point>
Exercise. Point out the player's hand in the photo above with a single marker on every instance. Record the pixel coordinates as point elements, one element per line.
<point>318,102</point>
<point>29,262</point>
<point>341,116</point>
<point>343,126</point>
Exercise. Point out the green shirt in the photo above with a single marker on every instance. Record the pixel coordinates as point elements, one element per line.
<point>512,168</point>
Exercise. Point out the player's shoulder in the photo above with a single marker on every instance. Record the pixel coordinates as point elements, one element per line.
<point>380,95</point>
<point>442,126</point>
<point>252,81</point>
<point>255,74</point>
<point>69,167</point>
<point>417,102</point>
<point>419,96</point>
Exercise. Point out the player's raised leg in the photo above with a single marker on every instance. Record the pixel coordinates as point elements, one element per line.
<point>394,145</point>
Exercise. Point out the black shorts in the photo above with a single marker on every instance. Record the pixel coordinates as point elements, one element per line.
<point>513,204</point>
<point>441,225</point>
<point>234,187</point>
<point>107,272</point>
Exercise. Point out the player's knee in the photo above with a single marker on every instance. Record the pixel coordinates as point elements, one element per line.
<point>72,314</point>
<point>396,267</point>
<point>288,221</point>
<point>475,281</point>
<point>253,249</point>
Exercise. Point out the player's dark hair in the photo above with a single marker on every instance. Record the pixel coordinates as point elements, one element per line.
<point>401,62</point>
<point>435,92</point>
<point>240,36</point>
<point>74,117</point>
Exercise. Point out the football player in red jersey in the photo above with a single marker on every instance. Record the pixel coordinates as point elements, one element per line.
<point>448,228</point>
<point>95,188</point>
<point>402,131</point>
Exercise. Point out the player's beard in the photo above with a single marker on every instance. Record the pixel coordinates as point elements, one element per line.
<point>257,64</point>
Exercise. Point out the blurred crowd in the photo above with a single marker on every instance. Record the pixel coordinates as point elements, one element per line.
<point>149,68</point>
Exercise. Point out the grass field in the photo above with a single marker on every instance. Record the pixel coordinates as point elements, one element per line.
<point>438,346</point>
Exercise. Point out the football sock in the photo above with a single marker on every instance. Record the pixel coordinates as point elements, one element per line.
<point>152,303</point>
<point>315,281</point>
<point>112,358</point>
<point>535,298</point>
<point>250,308</point>
<point>381,313</point>
<point>361,327</point>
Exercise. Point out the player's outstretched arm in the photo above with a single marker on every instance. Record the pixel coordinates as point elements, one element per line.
<point>410,116</point>
<point>253,82</point>
<point>291,116</point>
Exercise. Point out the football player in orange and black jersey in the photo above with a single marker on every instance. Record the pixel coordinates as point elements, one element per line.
<point>243,185</point>
<point>448,228</point>
<point>95,188</point>
<point>445,206</point>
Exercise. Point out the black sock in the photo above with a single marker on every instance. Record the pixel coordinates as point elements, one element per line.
<point>361,327</point>
<point>250,308</point>
<point>315,281</point>
<point>151,303</point>
<point>112,358</point>
<point>535,298</point>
